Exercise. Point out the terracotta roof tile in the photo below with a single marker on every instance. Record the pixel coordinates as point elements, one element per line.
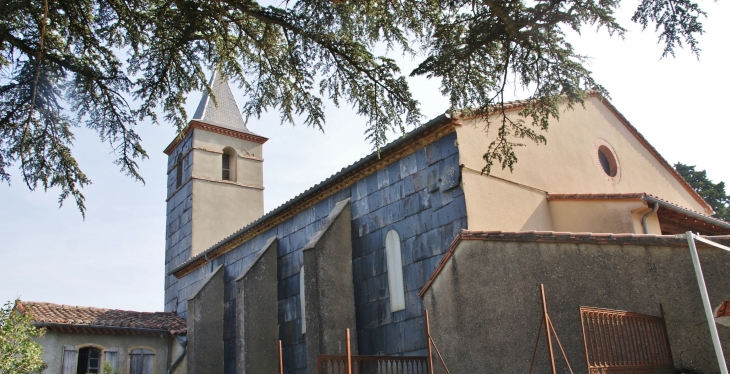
<point>724,310</point>
<point>49,313</point>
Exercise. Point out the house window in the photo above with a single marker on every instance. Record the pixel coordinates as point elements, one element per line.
<point>395,271</point>
<point>179,171</point>
<point>141,361</point>
<point>88,362</point>
<point>229,164</point>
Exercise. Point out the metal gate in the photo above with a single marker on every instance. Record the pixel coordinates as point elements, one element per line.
<point>623,342</point>
<point>373,365</point>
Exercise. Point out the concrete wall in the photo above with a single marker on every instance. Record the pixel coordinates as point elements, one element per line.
<point>566,164</point>
<point>256,321</point>
<point>329,294</point>
<point>53,342</point>
<point>485,305</point>
<point>205,326</point>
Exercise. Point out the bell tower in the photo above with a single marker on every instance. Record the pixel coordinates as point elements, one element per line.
<point>214,177</point>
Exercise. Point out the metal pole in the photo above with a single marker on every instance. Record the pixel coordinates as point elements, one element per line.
<point>349,354</point>
<point>428,341</point>
<point>547,329</point>
<point>281,359</point>
<point>706,303</point>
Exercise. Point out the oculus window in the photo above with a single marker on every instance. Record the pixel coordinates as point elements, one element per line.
<point>608,161</point>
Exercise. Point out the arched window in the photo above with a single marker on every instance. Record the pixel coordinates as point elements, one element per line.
<point>395,271</point>
<point>302,301</point>
<point>229,164</point>
<point>179,171</point>
<point>141,361</point>
<point>88,361</point>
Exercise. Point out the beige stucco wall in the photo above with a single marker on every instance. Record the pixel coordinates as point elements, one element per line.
<point>602,216</point>
<point>494,204</point>
<point>208,148</point>
<point>566,164</point>
<point>162,345</point>
<point>220,208</point>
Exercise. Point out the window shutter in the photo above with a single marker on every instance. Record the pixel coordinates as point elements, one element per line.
<point>69,360</point>
<point>141,361</point>
<point>111,356</point>
<point>147,362</point>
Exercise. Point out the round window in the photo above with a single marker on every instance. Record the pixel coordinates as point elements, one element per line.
<point>607,160</point>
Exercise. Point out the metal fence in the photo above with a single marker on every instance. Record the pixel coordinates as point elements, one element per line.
<point>373,364</point>
<point>623,342</point>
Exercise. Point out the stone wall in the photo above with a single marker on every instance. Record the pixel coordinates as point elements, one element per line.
<point>179,226</point>
<point>419,196</point>
<point>485,308</point>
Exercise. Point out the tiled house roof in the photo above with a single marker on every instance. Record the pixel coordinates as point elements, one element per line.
<point>68,318</point>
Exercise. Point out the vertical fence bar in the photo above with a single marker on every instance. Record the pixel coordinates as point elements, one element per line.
<point>428,341</point>
<point>547,329</point>
<point>281,359</point>
<point>347,349</point>
<point>706,302</point>
<point>585,341</point>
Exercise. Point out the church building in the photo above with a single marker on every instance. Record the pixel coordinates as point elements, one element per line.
<point>593,215</point>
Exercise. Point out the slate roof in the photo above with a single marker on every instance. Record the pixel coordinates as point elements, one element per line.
<point>49,314</point>
<point>223,111</point>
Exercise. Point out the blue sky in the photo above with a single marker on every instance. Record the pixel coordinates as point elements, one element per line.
<point>115,257</point>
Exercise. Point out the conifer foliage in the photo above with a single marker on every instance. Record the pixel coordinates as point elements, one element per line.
<point>713,193</point>
<point>109,64</point>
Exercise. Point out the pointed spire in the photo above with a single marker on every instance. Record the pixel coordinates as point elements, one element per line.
<point>226,113</point>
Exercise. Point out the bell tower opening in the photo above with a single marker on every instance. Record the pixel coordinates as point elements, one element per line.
<point>228,164</point>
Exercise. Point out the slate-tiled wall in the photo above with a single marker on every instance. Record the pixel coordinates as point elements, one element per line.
<point>420,197</point>
<point>179,223</point>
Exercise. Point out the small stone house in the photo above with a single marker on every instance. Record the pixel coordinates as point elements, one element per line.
<point>80,340</point>
<point>592,215</point>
